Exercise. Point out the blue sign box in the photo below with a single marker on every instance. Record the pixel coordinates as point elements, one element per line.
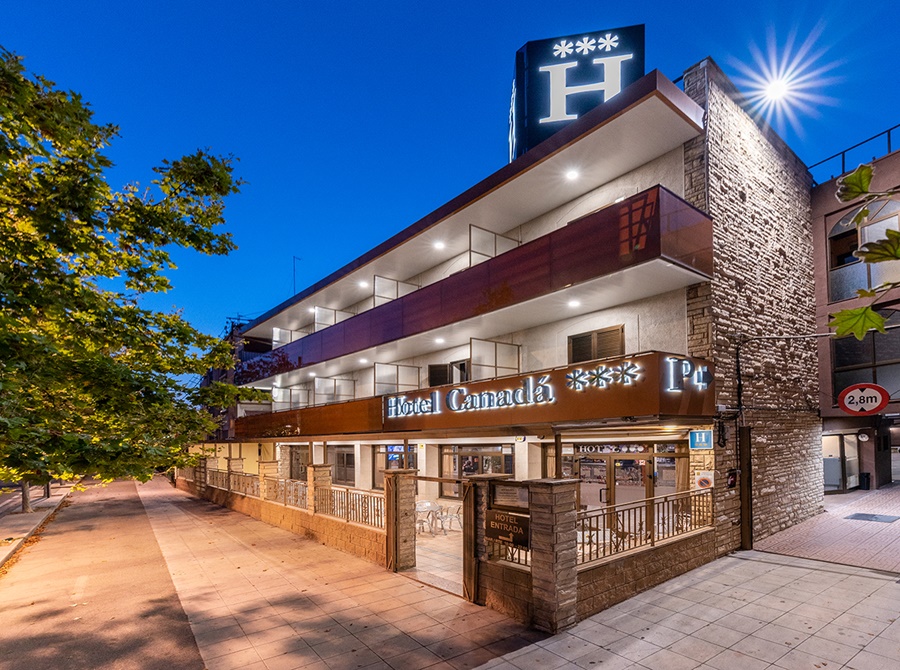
<point>701,439</point>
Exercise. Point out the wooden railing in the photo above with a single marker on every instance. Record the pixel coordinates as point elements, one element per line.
<point>613,530</point>
<point>364,507</point>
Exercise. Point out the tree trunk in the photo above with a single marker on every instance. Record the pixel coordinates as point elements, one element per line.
<point>26,497</point>
<point>47,490</point>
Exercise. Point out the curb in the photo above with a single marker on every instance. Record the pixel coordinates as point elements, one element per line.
<point>10,550</point>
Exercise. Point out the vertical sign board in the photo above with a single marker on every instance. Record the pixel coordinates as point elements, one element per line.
<point>558,80</point>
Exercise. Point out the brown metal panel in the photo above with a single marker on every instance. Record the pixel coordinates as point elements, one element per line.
<point>746,482</point>
<point>390,523</point>
<point>470,559</point>
<point>355,416</point>
<point>588,391</point>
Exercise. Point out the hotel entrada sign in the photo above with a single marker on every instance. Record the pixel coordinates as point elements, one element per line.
<point>650,384</point>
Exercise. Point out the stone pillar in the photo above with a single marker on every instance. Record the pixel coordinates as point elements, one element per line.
<point>200,476</point>
<point>554,569</point>
<point>266,469</point>
<point>400,517</point>
<point>317,476</point>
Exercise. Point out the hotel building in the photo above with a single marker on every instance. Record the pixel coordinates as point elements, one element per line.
<point>573,345</point>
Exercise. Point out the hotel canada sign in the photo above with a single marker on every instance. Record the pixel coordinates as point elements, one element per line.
<point>651,384</point>
<point>560,79</point>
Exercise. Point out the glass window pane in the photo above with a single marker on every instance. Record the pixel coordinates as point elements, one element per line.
<point>888,376</point>
<point>843,282</point>
<point>844,379</point>
<point>849,351</point>
<point>887,346</point>
<point>876,231</point>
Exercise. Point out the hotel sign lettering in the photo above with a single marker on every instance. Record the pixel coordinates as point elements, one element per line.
<point>558,80</point>
<point>646,384</point>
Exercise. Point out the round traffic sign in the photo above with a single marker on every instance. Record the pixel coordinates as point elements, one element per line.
<point>863,399</point>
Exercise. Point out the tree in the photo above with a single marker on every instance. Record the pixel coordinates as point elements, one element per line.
<point>860,320</point>
<point>91,381</point>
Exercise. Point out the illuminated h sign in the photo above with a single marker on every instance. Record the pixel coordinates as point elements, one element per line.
<point>558,80</point>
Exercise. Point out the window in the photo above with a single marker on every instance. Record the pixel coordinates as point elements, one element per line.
<point>344,473</point>
<point>846,272</point>
<point>448,373</point>
<point>390,457</point>
<point>601,343</point>
<point>873,360</point>
<point>458,461</point>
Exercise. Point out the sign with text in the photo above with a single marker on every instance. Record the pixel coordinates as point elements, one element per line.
<point>506,527</point>
<point>863,399</point>
<point>558,80</point>
<point>644,385</point>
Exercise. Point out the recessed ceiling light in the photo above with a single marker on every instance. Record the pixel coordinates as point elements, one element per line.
<point>574,303</point>
<point>363,360</point>
<point>439,245</point>
<point>439,340</point>
<point>312,310</point>
<point>364,284</point>
<point>571,175</point>
<point>312,374</point>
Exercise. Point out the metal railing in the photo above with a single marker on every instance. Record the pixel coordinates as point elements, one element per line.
<point>862,152</point>
<point>363,507</point>
<point>218,479</point>
<point>245,484</point>
<point>291,492</point>
<point>613,530</point>
<point>185,473</point>
<point>504,551</point>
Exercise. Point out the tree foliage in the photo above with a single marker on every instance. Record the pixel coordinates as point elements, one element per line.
<point>860,320</point>
<point>91,381</point>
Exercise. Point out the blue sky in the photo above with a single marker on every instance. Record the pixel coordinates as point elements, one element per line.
<point>354,119</point>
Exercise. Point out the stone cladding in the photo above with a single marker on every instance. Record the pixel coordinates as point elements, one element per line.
<point>757,193</point>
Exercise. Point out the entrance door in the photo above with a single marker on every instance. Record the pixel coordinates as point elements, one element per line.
<point>630,480</point>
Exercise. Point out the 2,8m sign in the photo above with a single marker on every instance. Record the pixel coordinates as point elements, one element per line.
<point>863,399</point>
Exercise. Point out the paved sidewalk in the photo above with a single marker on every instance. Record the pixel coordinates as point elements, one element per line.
<point>16,527</point>
<point>258,597</point>
<point>832,537</point>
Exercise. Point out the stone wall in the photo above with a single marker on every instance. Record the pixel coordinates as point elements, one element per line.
<point>757,193</point>
<point>613,581</point>
<point>507,589</point>
<point>362,541</point>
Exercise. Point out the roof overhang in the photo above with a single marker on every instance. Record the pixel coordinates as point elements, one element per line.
<point>645,121</point>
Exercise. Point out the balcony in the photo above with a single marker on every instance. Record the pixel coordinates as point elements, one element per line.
<point>649,244</point>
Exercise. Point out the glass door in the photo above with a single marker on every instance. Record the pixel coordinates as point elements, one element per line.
<point>632,483</point>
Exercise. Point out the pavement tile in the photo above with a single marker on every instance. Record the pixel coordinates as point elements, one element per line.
<point>696,649</point>
<point>788,637</point>
<point>665,659</point>
<point>734,660</point>
<point>764,650</point>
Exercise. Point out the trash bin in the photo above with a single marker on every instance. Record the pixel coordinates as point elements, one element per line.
<point>865,481</point>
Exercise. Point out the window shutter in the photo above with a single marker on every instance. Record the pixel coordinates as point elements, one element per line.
<point>609,342</point>
<point>581,348</point>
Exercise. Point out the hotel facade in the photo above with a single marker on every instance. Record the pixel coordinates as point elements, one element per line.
<point>568,364</point>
